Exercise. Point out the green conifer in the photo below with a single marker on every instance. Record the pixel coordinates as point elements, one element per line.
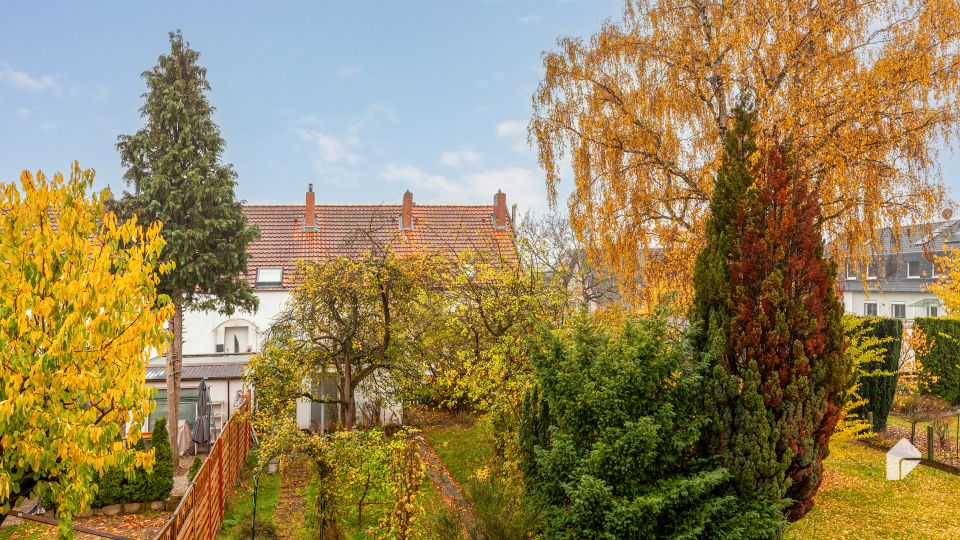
<point>766,327</point>
<point>161,479</point>
<point>173,165</point>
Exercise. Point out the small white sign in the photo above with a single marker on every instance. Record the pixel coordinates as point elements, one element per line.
<point>901,459</point>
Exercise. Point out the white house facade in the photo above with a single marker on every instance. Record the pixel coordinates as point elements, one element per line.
<point>216,347</point>
<point>895,284</point>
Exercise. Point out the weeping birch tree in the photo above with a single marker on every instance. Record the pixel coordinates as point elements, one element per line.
<point>863,90</point>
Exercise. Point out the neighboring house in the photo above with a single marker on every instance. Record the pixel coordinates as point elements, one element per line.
<point>218,347</point>
<point>899,274</point>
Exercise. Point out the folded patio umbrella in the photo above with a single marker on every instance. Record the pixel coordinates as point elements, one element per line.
<point>201,430</point>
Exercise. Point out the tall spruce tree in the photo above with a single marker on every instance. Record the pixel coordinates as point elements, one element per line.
<point>174,166</point>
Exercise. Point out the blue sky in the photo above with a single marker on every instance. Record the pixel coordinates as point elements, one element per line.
<point>363,99</point>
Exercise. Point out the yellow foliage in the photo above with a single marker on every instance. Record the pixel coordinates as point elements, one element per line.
<point>860,89</point>
<point>947,287</point>
<point>79,313</point>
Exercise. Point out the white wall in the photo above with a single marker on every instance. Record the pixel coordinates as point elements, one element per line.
<point>202,330</point>
<point>854,302</point>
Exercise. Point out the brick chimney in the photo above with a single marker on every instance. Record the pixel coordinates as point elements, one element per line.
<point>500,218</point>
<point>309,220</point>
<point>406,213</point>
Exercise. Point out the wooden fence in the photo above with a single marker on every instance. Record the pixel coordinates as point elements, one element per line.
<point>200,512</point>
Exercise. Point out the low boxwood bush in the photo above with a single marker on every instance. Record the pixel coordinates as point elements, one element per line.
<point>114,488</point>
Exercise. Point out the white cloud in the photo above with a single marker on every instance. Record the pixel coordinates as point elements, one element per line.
<point>510,128</point>
<point>522,186</point>
<point>349,72</point>
<point>530,19</point>
<point>21,80</point>
<point>331,149</point>
<point>459,158</point>
<point>515,132</point>
<point>23,112</point>
<point>416,177</point>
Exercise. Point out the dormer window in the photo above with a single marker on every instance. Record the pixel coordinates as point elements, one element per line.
<point>269,277</point>
<point>873,269</point>
<point>913,269</point>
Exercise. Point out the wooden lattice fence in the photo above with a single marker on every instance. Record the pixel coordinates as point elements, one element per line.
<point>200,512</point>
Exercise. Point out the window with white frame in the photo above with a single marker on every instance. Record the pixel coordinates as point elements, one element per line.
<point>913,269</point>
<point>873,270</point>
<point>898,310</point>
<point>933,311</point>
<point>269,276</point>
<point>870,309</point>
<point>850,273</point>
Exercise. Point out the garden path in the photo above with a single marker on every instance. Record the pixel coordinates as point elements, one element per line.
<point>289,513</point>
<point>448,487</point>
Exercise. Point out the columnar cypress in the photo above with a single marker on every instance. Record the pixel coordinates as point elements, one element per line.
<point>786,340</point>
<point>712,309</point>
<point>173,164</point>
<point>161,479</point>
<point>880,389</point>
<point>765,327</point>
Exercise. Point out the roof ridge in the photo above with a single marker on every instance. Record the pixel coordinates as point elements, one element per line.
<point>384,205</point>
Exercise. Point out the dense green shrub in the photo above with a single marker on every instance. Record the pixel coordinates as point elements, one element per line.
<point>443,523</point>
<point>878,379</point>
<point>940,362</point>
<point>113,487</point>
<point>266,529</point>
<point>194,468</point>
<point>609,438</point>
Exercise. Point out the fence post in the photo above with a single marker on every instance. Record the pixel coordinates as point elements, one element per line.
<point>873,427</point>
<point>930,442</point>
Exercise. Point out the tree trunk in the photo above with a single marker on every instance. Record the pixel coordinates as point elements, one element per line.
<point>349,404</point>
<point>174,369</point>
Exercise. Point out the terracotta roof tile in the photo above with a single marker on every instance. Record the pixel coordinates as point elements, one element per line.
<point>348,230</point>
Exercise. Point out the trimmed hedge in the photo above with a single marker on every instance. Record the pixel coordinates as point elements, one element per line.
<point>879,390</point>
<point>940,366</point>
<point>144,487</point>
<point>114,488</point>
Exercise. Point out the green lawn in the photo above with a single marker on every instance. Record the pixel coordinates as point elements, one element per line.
<point>462,448</point>
<point>856,501</point>
<point>239,506</point>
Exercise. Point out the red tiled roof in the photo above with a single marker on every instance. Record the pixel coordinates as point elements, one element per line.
<point>348,230</point>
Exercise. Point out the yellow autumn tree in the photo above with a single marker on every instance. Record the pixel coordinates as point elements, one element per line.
<point>861,89</point>
<point>947,287</point>
<point>79,314</point>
